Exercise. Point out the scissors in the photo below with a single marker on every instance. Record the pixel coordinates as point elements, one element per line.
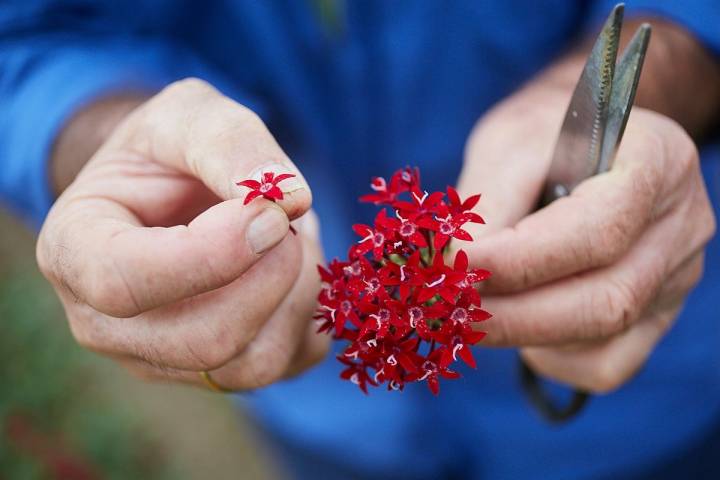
<point>589,137</point>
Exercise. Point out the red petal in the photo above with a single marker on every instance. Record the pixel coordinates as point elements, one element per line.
<point>472,338</point>
<point>449,374</point>
<point>479,315</point>
<point>447,357</point>
<point>461,261</point>
<point>440,240</point>
<point>407,206</point>
<point>406,362</point>
<point>372,198</point>
<point>274,193</point>
<point>404,292</point>
<point>418,239</point>
<point>473,217</point>
<point>433,384</point>
<point>470,202</point>
<point>461,234</point>
<point>281,177</point>
<point>428,223</point>
<point>482,274</point>
<point>453,196</point>
<point>467,356</point>
<point>251,196</point>
<point>448,295</point>
<point>438,262</point>
<point>268,177</point>
<point>433,199</point>
<point>362,230</point>
<point>325,274</point>
<point>425,295</point>
<point>254,184</point>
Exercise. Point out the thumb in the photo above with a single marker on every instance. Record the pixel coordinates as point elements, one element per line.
<point>192,127</point>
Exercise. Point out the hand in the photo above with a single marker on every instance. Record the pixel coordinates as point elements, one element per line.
<point>588,285</point>
<point>160,266</point>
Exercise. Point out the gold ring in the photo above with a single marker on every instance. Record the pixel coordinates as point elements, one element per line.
<point>212,384</point>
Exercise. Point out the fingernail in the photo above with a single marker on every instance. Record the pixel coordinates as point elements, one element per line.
<point>288,185</point>
<point>267,230</point>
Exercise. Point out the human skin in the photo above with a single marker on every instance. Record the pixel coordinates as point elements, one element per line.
<point>148,246</point>
<point>156,260</point>
<point>588,285</point>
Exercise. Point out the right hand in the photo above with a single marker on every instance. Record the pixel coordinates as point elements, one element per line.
<point>160,266</point>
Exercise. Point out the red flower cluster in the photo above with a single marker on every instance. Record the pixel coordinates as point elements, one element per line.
<point>407,315</point>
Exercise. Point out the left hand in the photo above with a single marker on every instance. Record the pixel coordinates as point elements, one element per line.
<point>588,285</point>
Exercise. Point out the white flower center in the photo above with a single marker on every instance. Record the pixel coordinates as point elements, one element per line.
<point>373,285</point>
<point>407,229</point>
<point>416,314</point>
<point>378,184</point>
<point>266,187</point>
<point>459,315</point>
<point>378,239</point>
<point>446,228</point>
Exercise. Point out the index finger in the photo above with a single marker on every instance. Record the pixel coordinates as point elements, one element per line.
<point>100,252</point>
<point>593,227</point>
<point>193,128</point>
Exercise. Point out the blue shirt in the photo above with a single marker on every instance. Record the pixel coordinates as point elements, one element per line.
<point>388,84</point>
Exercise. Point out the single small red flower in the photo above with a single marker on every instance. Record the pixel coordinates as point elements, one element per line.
<point>407,315</point>
<point>266,188</point>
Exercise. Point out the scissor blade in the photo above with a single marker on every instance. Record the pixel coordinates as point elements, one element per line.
<point>577,151</point>
<point>624,87</point>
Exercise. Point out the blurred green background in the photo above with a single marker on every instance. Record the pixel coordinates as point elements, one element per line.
<point>67,413</point>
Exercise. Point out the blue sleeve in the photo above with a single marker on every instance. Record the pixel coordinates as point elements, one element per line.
<point>48,73</point>
<point>699,17</point>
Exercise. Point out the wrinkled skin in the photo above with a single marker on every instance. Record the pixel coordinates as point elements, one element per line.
<point>203,293</point>
<point>587,286</point>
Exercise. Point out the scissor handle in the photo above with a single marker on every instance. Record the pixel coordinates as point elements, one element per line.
<point>544,403</point>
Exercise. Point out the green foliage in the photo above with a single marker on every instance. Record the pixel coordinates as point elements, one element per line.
<point>48,380</point>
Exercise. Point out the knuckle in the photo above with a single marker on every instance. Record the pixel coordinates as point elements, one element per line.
<point>83,336</point>
<point>697,271</point>
<point>684,150</point>
<point>268,363</point>
<point>709,222</point>
<point>613,308</point>
<point>107,291</point>
<point>612,241</point>
<point>606,376</point>
<point>85,333</point>
<point>688,156</point>
<point>211,351</point>
<point>249,117</point>
<point>143,374</point>
<point>320,351</point>
<point>523,275</point>
<point>41,257</point>
<point>188,87</point>
<point>674,142</point>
